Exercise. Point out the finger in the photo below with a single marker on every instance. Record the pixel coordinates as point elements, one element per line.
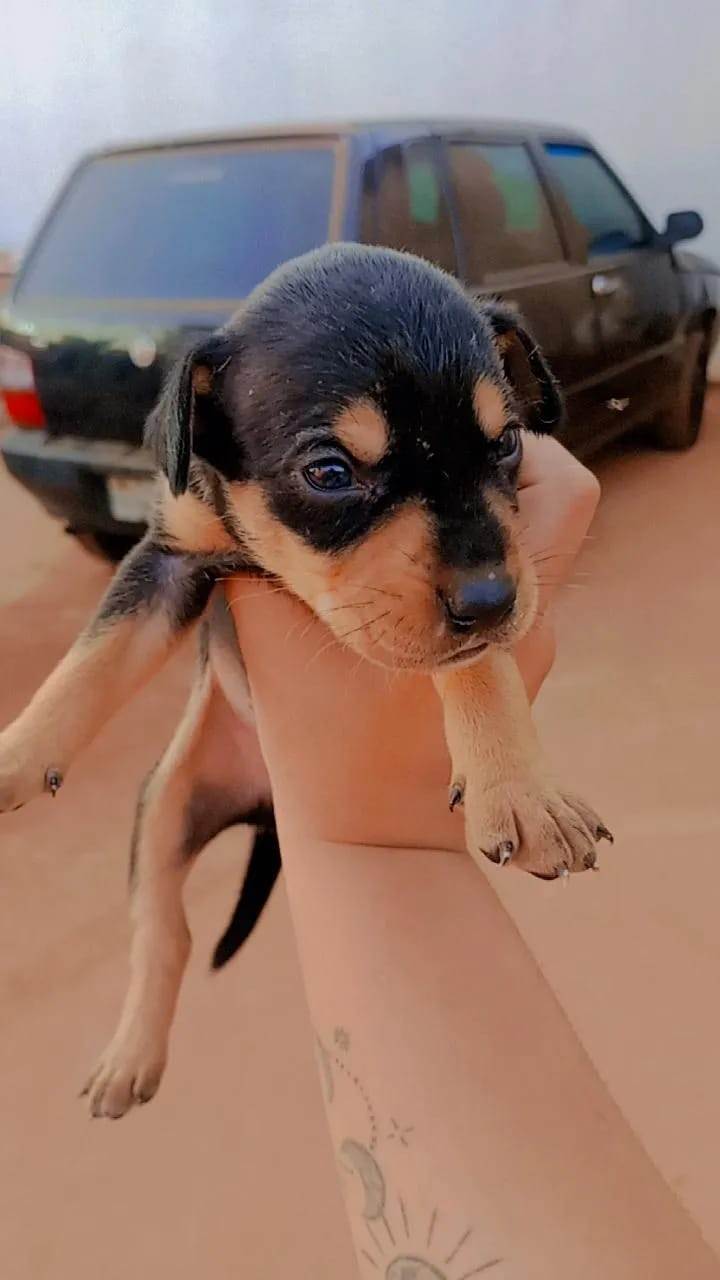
<point>548,463</point>
<point>556,506</point>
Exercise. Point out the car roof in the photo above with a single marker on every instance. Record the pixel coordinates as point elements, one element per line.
<point>377,130</point>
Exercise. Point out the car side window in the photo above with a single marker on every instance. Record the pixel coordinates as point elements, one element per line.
<point>503,216</point>
<point>610,221</point>
<point>404,204</point>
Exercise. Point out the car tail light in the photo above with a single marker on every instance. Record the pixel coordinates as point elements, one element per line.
<point>17,385</point>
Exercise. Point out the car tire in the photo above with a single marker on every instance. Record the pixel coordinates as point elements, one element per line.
<point>112,547</point>
<point>679,425</point>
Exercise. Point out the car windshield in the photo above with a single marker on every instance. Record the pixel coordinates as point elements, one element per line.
<point>185,222</point>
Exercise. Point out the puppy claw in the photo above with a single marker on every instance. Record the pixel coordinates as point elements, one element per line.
<point>604,834</point>
<point>53,781</point>
<point>457,793</point>
<point>506,851</point>
<point>123,1080</point>
<point>501,853</point>
<point>536,828</point>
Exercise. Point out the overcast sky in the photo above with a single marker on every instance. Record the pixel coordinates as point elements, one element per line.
<point>641,77</point>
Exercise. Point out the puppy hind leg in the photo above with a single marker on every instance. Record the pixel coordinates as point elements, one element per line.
<point>184,804</point>
<point>131,1067</point>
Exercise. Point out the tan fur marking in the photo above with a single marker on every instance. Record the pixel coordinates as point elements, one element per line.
<point>96,676</point>
<point>363,430</point>
<point>513,811</point>
<point>381,594</point>
<point>192,523</point>
<point>487,719</point>
<point>202,380</point>
<point>378,597</point>
<point>491,408</point>
<point>276,548</point>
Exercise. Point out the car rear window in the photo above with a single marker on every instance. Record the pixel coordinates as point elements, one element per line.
<point>206,222</point>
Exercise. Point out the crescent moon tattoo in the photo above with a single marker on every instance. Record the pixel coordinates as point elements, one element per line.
<point>358,1159</point>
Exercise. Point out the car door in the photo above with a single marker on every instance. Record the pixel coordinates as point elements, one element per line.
<point>404,202</point>
<point>632,277</point>
<point>509,243</point>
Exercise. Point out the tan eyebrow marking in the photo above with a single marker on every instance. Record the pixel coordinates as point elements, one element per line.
<point>490,407</point>
<point>363,430</point>
<point>202,380</point>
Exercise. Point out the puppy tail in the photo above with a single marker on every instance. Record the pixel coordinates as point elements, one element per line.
<point>262,871</point>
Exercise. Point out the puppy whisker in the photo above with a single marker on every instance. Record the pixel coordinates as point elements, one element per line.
<point>394,595</point>
<point>545,559</point>
<point>364,626</point>
<point>353,604</point>
<point>258,595</point>
<point>408,556</point>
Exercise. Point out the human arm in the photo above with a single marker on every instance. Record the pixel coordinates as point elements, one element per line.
<point>437,1029</point>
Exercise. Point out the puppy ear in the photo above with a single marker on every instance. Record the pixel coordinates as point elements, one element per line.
<point>190,416</point>
<point>526,369</point>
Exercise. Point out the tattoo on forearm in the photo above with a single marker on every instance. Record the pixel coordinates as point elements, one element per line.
<point>395,1242</point>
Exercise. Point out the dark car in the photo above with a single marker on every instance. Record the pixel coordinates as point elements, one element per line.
<point>148,247</point>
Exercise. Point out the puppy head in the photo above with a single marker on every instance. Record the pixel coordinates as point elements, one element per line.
<point>366,412</point>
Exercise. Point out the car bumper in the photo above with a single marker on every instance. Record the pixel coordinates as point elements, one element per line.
<point>72,478</point>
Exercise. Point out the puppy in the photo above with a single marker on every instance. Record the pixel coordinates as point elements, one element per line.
<point>354,434</point>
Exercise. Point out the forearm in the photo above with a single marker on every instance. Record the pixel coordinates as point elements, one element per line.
<point>459,1098</point>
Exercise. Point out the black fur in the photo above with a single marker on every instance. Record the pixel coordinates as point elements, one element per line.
<point>209,811</point>
<point>257,401</point>
<point>156,577</point>
<point>262,871</point>
<point>184,423</point>
<point>527,371</point>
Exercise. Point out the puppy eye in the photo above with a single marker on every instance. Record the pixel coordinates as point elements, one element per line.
<point>508,446</point>
<point>329,475</point>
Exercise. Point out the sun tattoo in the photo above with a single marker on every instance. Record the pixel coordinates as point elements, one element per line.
<point>394,1243</point>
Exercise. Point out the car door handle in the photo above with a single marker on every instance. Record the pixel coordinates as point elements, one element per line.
<point>603,286</point>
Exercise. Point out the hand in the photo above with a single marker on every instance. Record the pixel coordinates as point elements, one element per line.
<point>357,754</point>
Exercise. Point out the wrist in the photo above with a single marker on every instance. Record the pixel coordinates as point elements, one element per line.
<point>535,655</point>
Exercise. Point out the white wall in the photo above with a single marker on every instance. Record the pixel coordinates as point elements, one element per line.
<point>639,75</point>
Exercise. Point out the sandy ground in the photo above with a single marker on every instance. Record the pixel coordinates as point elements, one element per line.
<point>229,1173</point>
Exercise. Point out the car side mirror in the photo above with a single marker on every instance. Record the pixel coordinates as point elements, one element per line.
<point>684,225</point>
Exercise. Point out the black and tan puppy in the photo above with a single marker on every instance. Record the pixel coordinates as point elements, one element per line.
<point>354,432</point>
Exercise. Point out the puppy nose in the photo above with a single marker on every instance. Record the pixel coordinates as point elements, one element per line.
<point>480,599</point>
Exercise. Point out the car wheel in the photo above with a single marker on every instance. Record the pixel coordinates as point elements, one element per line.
<point>679,426</point>
<point>107,546</point>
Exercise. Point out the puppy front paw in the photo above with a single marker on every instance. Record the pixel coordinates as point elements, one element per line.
<point>530,824</point>
<point>22,775</point>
